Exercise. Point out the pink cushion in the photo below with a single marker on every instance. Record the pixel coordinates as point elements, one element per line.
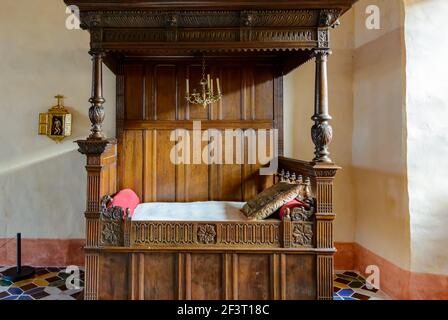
<point>126,199</point>
<point>295,203</point>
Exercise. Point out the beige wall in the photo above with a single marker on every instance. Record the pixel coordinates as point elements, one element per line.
<point>379,134</point>
<point>42,184</point>
<point>427,121</point>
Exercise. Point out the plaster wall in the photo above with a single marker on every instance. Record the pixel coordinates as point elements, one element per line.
<point>42,184</point>
<point>379,134</point>
<point>427,114</point>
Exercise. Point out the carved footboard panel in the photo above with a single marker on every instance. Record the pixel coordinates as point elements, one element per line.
<point>291,232</point>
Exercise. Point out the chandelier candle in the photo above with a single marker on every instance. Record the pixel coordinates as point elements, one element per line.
<point>207,95</point>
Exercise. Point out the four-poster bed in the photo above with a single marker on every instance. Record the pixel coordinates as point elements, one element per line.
<point>152,47</point>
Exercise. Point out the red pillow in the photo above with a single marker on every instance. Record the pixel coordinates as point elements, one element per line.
<point>126,199</point>
<point>295,203</point>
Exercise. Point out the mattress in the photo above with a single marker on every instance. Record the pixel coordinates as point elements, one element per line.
<point>189,211</point>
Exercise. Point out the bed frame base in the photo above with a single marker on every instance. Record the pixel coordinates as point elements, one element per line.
<point>124,262</point>
<point>209,274</point>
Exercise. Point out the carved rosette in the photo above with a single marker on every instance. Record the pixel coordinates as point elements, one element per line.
<point>302,234</point>
<point>206,234</point>
<point>111,234</point>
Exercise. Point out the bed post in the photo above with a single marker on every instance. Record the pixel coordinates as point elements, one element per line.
<point>321,132</point>
<point>325,171</point>
<point>101,176</point>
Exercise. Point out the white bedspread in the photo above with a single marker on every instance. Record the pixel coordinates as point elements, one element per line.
<point>189,211</point>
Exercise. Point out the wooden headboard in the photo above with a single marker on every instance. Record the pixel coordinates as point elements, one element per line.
<point>153,105</point>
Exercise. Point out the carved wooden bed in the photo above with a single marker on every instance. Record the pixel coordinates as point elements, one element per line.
<point>152,46</point>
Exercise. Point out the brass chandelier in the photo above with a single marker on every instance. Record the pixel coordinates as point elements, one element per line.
<point>207,94</point>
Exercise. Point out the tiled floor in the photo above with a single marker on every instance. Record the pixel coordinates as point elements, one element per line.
<point>49,283</point>
<point>349,285</point>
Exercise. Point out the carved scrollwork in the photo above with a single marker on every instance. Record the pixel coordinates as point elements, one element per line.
<point>111,234</point>
<point>301,214</point>
<point>111,221</point>
<point>207,234</point>
<point>327,173</point>
<point>93,147</point>
<point>302,234</point>
<point>205,19</point>
<point>323,38</point>
<point>247,19</point>
<point>328,17</point>
<point>322,135</point>
<point>172,20</point>
<point>96,116</point>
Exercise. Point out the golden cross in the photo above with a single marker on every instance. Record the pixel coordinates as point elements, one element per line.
<point>60,98</point>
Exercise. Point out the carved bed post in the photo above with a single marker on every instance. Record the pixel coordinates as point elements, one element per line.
<point>325,171</point>
<point>96,111</point>
<point>321,132</point>
<point>101,175</point>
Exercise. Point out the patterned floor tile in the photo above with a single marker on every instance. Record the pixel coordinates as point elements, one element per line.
<point>49,283</point>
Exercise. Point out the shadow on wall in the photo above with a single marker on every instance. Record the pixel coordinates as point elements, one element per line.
<point>44,199</point>
<point>50,149</point>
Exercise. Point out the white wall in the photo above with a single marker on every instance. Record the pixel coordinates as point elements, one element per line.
<point>379,134</point>
<point>42,184</point>
<point>427,121</point>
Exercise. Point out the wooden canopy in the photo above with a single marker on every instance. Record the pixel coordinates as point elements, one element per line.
<point>159,28</point>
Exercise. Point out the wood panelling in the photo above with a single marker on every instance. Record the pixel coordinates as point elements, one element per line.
<point>264,92</point>
<point>206,276</point>
<point>132,161</point>
<point>301,286</point>
<point>253,276</point>
<point>159,276</point>
<point>114,281</point>
<point>154,106</point>
<point>165,93</point>
<point>134,93</point>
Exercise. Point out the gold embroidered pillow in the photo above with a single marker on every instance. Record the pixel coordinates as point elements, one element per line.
<point>271,199</point>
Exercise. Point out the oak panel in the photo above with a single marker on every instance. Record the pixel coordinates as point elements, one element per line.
<point>114,276</point>
<point>133,161</point>
<point>253,277</point>
<point>165,92</point>
<point>300,277</point>
<point>160,280</point>
<point>206,276</point>
<point>134,93</point>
